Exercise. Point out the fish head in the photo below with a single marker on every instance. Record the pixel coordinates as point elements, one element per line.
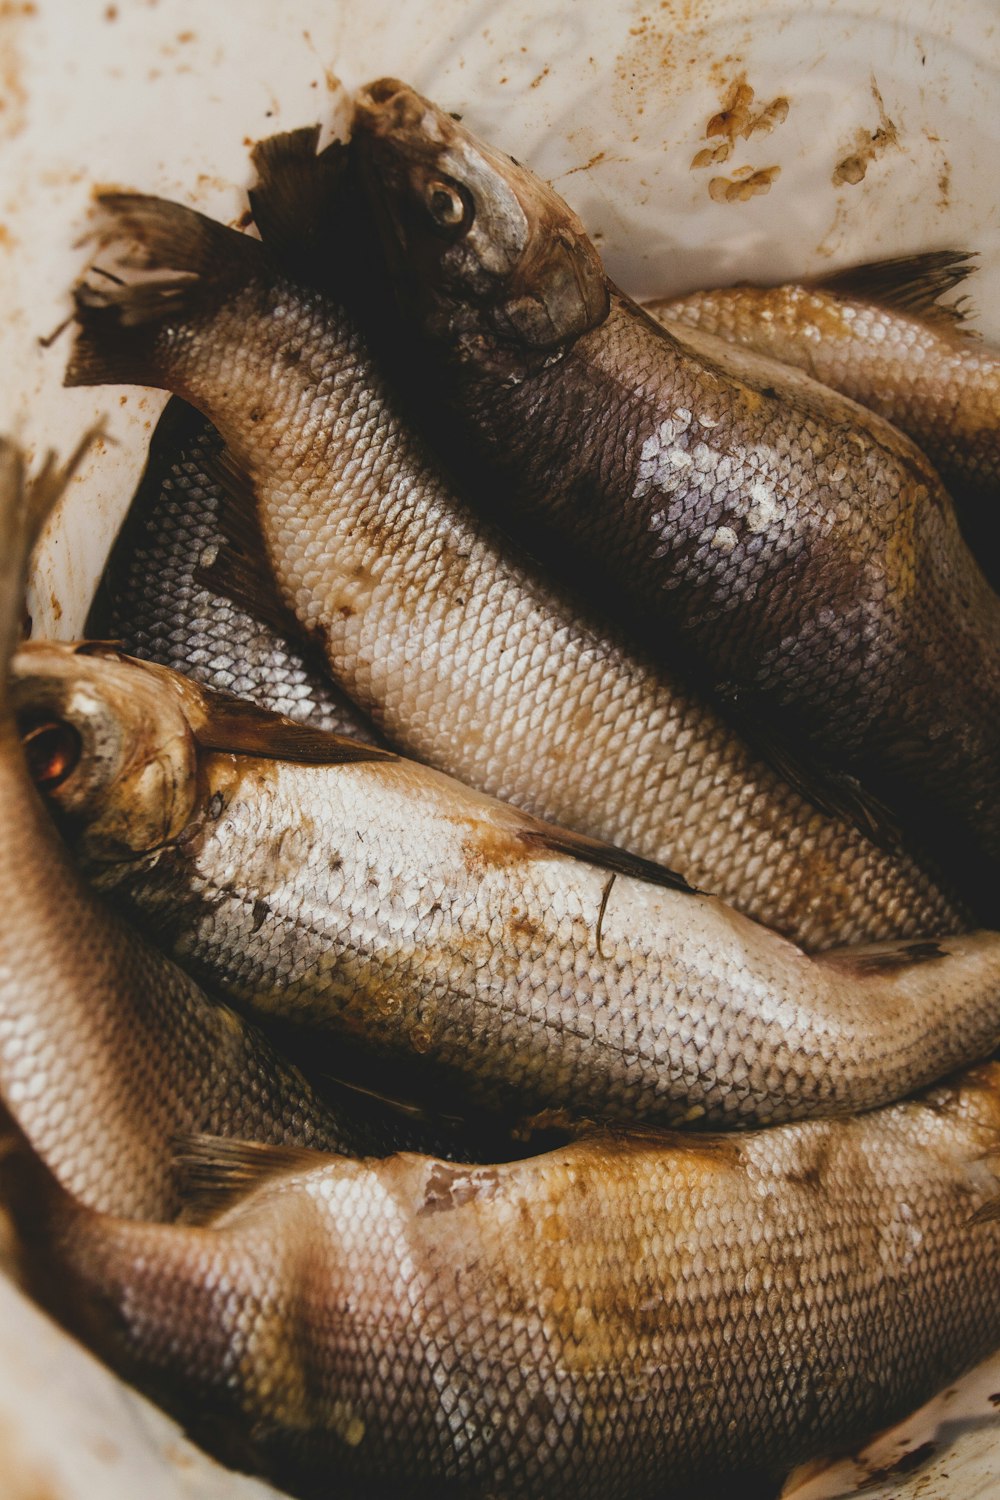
<point>491,263</point>
<point>108,745</point>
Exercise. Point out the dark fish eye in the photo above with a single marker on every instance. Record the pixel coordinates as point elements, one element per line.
<point>52,751</point>
<point>449,205</point>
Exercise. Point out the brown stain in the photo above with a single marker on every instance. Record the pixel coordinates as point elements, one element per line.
<point>585,166</point>
<point>867,146</point>
<point>809,1171</point>
<point>492,846</point>
<point>740,188</point>
<point>737,120</point>
<point>13,96</point>
<point>523,929</point>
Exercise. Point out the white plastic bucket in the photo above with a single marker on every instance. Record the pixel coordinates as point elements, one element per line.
<point>611,102</point>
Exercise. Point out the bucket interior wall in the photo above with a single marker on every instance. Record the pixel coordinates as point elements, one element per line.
<point>619,105</point>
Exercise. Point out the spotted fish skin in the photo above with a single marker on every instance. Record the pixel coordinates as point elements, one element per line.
<point>157,597</point>
<point>438,627</point>
<point>799,548</point>
<point>618,1320</point>
<point>917,366</point>
<point>515,965</point>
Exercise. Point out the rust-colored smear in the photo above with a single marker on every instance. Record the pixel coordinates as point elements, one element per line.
<point>738,188</point>
<point>737,120</point>
<point>868,146</point>
<point>13,98</point>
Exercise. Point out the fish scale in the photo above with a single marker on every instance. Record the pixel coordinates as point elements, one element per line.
<point>878,334</point>
<point>620,1319</point>
<point>427,615</point>
<point>108,1050</point>
<point>799,550</point>
<point>157,597</point>
<point>473,948</point>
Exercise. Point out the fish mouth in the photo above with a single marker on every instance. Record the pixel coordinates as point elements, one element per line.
<point>387,107</point>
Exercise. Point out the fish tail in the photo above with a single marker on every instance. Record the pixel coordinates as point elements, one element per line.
<point>25,506</point>
<point>162,263</point>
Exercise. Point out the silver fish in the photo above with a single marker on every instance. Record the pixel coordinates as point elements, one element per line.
<point>107,1050</point>
<point>452,641</point>
<point>157,598</point>
<point>623,1319</point>
<point>534,969</point>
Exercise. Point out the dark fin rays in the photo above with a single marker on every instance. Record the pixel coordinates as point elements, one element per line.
<point>861,962</point>
<point>911,284</point>
<point>237,727</point>
<point>120,321</point>
<point>213,1174</point>
<point>295,200</point>
<point>604,856</point>
<point>25,505</point>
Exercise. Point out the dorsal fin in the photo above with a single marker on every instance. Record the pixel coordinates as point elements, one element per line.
<point>295,198</point>
<point>912,284</point>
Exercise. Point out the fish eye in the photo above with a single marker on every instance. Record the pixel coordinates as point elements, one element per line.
<point>52,750</point>
<point>449,205</point>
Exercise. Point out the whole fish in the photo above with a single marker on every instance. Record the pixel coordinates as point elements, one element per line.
<point>623,1319</point>
<point>107,1050</point>
<point>453,642</point>
<point>798,546</point>
<point>880,334</point>
<point>527,967</point>
<point>158,600</point>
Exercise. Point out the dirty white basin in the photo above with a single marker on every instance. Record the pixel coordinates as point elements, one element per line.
<point>878,134</point>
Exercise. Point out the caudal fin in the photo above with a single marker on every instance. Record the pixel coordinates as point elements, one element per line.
<point>159,264</point>
<point>25,506</point>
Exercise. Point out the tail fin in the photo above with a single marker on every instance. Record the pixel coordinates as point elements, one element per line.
<point>25,506</point>
<point>188,260</point>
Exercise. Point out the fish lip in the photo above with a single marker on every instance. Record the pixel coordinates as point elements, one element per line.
<point>387,106</point>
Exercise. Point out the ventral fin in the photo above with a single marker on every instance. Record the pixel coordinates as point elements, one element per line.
<point>237,727</point>
<point>213,1173</point>
<point>912,284</point>
<point>883,960</point>
<point>604,856</point>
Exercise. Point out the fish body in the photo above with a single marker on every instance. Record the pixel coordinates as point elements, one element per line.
<point>453,642</point>
<point>798,546</point>
<point>157,598</point>
<point>108,1050</point>
<point>622,1319</point>
<point>878,334</point>
<point>526,967</point>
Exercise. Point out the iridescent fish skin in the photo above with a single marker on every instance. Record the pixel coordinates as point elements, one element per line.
<point>454,643</point>
<point>619,1320</point>
<point>157,598</point>
<point>521,966</point>
<point>878,334</point>
<point>108,1050</point>
<point>801,549</point>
